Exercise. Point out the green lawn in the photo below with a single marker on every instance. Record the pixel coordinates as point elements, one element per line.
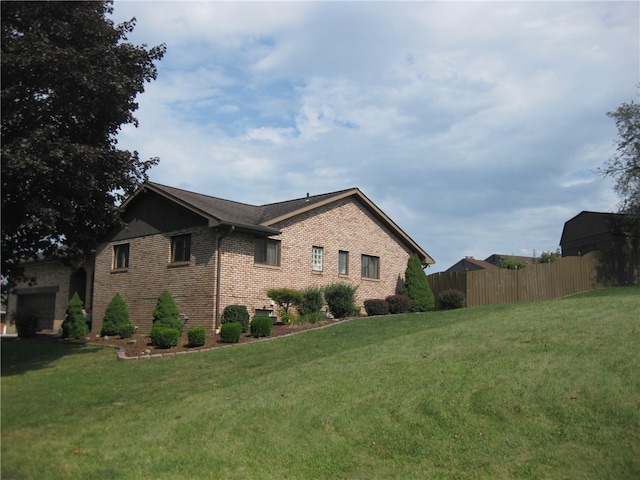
<point>531,390</point>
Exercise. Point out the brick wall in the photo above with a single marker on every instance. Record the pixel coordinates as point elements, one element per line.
<point>344,225</point>
<point>191,284</point>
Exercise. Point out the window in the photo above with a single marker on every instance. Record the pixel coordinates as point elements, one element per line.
<point>181,248</point>
<point>121,256</point>
<point>343,262</point>
<point>316,258</point>
<point>370,266</point>
<point>267,251</point>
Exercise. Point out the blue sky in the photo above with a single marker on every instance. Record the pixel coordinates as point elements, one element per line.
<point>476,126</point>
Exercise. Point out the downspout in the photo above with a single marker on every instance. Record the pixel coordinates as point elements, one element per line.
<point>218,276</point>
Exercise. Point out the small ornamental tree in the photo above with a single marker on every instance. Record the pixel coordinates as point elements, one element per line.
<point>416,286</point>
<point>74,325</point>
<point>116,319</point>
<point>285,298</point>
<point>166,313</point>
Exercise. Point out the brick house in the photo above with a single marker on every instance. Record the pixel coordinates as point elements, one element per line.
<point>210,252</point>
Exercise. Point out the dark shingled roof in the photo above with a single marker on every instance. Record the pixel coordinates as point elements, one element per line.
<point>261,218</point>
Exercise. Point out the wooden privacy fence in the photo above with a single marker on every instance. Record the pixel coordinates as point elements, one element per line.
<point>541,281</point>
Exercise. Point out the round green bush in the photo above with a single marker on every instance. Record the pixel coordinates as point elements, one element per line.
<point>340,298</point>
<point>451,299</point>
<point>197,336</point>
<point>376,306</point>
<point>236,313</point>
<point>261,327</point>
<point>230,332</point>
<point>126,330</point>
<point>398,303</point>
<point>164,337</point>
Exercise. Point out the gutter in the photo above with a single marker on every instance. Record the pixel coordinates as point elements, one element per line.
<point>216,319</point>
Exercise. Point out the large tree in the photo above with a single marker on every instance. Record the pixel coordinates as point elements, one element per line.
<point>69,82</point>
<point>624,165</point>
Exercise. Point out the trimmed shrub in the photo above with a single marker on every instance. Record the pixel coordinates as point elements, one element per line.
<point>116,319</point>
<point>230,332</point>
<point>312,301</point>
<point>166,313</point>
<point>26,323</point>
<point>236,313</point>
<point>416,286</point>
<point>340,298</point>
<point>261,327</point>
<point>197,336</point>
<point>451,299</point>
<point>399,303</point>
<point>376,306</point>
<point>74,325</point>
<point>126,330</point>
<point>164,337</point>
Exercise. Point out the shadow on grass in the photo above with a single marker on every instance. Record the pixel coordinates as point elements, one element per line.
<point>22,355</point>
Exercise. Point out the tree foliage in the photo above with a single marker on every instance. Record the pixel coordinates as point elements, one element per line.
<point>69,82</point>
<point>624,164</point>
<point>511,263</point>
<point>416,286</point>
<point>166,313</point>
<point>116,319</point>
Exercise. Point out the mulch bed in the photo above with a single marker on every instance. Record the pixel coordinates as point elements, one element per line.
<point>139,346</point>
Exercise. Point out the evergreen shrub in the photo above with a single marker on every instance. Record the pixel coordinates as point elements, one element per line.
<point>26,323</point>
<point>261,327</point>
<point>416,286</point>
<point>116,319</point>
<point>164,337</point>
<point>197,336</point>
<point>236,313</point>
<point>399,303</point>
<point>312,301</point>
<point>166,313</point>
<point>376,306</point>
<point>74,325</point>
<point>340,298</point>
<point>451,299</point>
<point>230,332</point>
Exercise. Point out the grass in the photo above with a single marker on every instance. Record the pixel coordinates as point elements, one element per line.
<point>530,390</point>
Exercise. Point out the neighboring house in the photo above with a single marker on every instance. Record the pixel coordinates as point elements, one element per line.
<point>592,231</point>
<point>55,283</point>
<point>469,264</point>
<point>608,234</point>
<point>496,258</point>
<point>210,252</point>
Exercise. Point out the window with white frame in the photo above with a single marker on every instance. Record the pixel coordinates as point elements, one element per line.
<point>370,266</point>
<point>267,251</point>
<point>343,262</point>
<point>316,258</point>
<point>181,248</point>
<point>121,256</point>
